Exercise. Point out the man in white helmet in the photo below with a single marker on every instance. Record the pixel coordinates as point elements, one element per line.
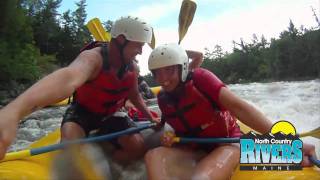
<point>102,77</point>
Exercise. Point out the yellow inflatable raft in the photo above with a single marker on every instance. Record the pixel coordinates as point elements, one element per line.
<point>39,166</point>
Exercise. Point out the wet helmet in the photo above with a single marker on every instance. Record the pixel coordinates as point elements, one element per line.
<point>133,28</point>
<point>168,55</point>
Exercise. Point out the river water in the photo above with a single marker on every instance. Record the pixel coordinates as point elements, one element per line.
<point>297,102</point>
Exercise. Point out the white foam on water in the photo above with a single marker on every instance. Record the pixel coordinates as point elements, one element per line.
<point>296,102</point>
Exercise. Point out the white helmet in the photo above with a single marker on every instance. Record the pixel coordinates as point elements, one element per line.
<point>168,55</point>
<point>134,29</point>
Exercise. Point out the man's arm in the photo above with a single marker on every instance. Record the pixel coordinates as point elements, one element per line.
<point>137,100</point>
<point>245,112</point>
<point>57,85</point>
<point>196,59</point>
<point>52,88</point>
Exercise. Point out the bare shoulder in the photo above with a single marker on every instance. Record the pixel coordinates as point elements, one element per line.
<point>89,62</point>
<point>91,56</point>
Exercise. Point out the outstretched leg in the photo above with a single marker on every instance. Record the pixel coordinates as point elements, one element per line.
<point>71,130</point>
<point>219,164</point>
<point>170,163</point>
<point>132,148</point>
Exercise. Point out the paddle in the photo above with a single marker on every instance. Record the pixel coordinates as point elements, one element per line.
<point>96,29</point>
<point>187,11</point>
<point>315,161</point>
<point>45,149</point>
<point>153,40</point>
<point>313,133</point>
<point>205,140</point>
<point>100,34</point>
<point>225,140</point>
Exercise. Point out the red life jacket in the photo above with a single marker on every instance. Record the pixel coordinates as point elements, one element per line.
<point>137,115</point>
<point>192,113</point>
<point>107,93</point>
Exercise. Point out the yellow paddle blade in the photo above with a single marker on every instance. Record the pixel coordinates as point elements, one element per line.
<point>176,139</point>
<point>96,29</point>
<point>187,10</point>
<point>153,40</point>
<point>314,133</point>
<point>156,90</point>
<point>16,155</point>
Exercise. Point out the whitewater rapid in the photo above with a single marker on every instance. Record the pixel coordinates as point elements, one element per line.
<point>297,102</point>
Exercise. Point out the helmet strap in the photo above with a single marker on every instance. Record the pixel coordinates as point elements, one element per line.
<point>124,66</point>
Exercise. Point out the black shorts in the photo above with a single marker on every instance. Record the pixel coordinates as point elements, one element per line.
<point>91,121</point>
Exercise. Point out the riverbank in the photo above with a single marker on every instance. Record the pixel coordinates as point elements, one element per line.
<point>10,90</point>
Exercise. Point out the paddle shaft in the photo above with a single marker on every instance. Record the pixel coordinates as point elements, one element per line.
<point>206,140</point>
<point>225,140</point>
<point>45,149</point>
<point>106,137</point>
<point>313,133</point>
<point>230,140</point>
<point>315,161</point>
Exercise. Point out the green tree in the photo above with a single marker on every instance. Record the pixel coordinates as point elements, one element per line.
<point>67,40</point>
<point>18,55</point>
<point>81,31</point>
<point>46,26</point>
<point>108,25</point>
<point>73,35</point>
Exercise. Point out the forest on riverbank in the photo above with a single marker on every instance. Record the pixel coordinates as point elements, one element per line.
<point>295,55</point>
